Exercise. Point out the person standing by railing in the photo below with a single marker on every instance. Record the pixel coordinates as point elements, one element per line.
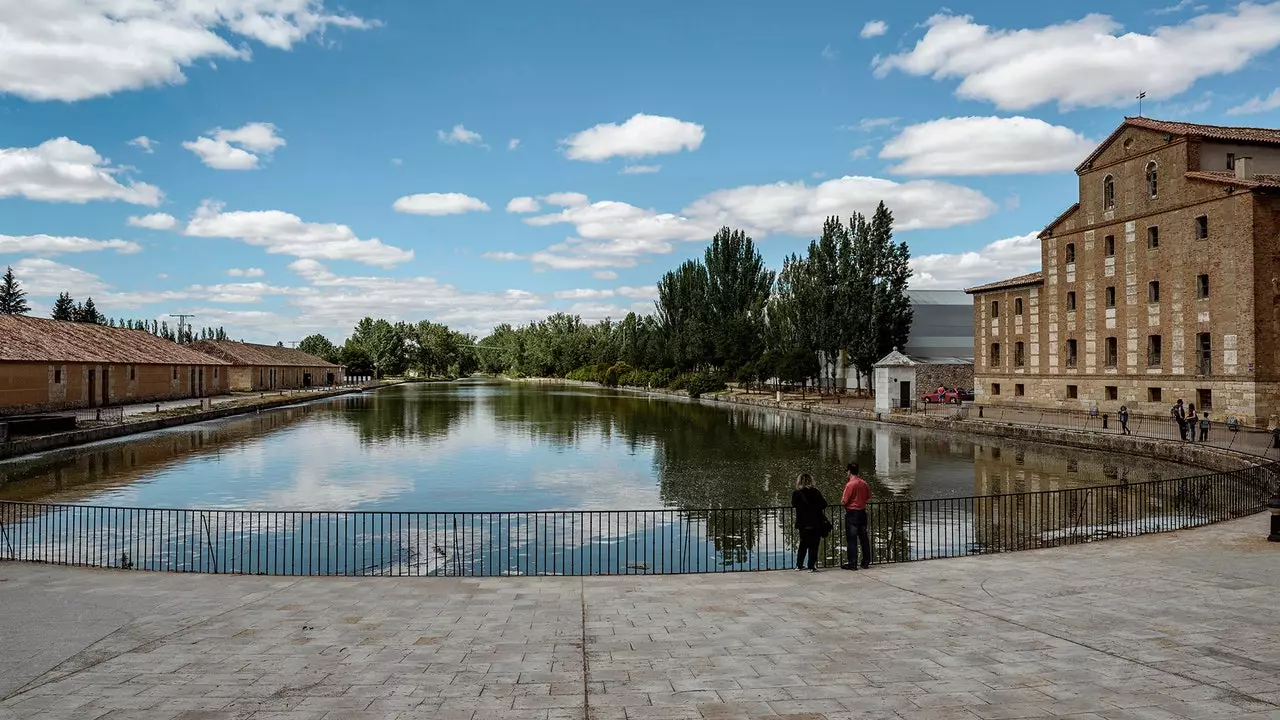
<point>1124,419</point>
<point>811,520</point>
<point>857,493</point>
<point>1179,414</point>
<point>1204,427</point>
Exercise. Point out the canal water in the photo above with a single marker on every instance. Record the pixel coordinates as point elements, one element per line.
<point>429,464</point>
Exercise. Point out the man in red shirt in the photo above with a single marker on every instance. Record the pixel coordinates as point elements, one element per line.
<point>857,493</point>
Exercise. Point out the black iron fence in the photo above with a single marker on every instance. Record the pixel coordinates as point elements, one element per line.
<point>88,417</point>
<point>605,542</point>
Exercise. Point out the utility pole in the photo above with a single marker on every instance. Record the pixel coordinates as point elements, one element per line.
<point>181,321</point>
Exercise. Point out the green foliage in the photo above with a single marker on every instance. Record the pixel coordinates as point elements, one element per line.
<point>615,372</point>
<point>13,299</point>
<point>698,384</point>
<point>64,308</point>
<point>319,346</point>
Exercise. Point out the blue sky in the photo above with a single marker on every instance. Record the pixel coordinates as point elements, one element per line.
<point>306,164</point>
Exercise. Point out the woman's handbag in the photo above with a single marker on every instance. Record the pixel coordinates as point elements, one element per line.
<point>825,527</point>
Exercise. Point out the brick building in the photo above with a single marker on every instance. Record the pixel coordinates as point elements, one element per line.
<point>271,367</point>
<point>54,365</point>
<point>1161,282</point>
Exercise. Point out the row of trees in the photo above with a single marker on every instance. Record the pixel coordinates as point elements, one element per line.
<point>378,347</point>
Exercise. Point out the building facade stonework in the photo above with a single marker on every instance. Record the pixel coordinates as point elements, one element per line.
<point>1161,283</point>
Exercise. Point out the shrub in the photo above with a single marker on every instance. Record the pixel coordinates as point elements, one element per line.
<point>700,383</point>
<point>662,378</point>
<point>586,373</point>
<point>615,372</point>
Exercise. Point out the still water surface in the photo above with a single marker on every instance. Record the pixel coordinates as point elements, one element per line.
<point>485,445</point>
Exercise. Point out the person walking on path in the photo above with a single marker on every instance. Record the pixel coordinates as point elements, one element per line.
<point>1180,417</point>
<point>1124,419</point>
<point>1204,427</point>
<point>811,520</point>
<point>857,493</point>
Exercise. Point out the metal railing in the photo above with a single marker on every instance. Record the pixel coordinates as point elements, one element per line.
<point>605,542</point>
<point>99,416</point>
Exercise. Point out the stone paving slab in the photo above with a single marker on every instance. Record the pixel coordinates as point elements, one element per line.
<point>1163,627</point>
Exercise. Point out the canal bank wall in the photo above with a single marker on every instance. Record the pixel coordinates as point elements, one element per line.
<point>43,443</point>
<point>1185,453</point>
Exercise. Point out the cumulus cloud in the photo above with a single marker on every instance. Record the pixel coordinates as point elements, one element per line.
<point>78,50</point>
<point>1001,259</point>
<point>154,221</point>
<point>874,28</point>
<point>439,204</point>
<point>459,135</point>
<point>63,170</point>
<point>1088,62</point>
<point>523,205</point>
<point>284,233</point>
<point>1257,104</point>
<point>640,169</point>
<point>45,278</point>
<point>639,136</point>
<point>144,143</point>
<point>242,292</point>
<point>246,272</point>
<point>985,146</point>
<point>605,275</point>
<point>42,245</point>
<point>237,149</point>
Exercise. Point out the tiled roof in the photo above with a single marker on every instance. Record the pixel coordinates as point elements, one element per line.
<point>1034,278</point>
<point>29,339</point>
<point>239,353</point>
<point>1211,132</point>
<point>1261,180</point>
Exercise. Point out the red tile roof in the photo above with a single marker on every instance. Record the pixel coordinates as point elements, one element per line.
<point>240,353</point>
<point>1226,133</point>
<point>30,339</point>
<point>1035,278</point>
<point>1260,180</point>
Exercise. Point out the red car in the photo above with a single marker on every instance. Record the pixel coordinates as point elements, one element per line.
<point>945,396</point>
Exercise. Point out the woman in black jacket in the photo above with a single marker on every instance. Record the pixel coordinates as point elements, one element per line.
<point>810,520</point>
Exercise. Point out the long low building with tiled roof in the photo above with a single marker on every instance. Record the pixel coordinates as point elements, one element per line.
<point>271,367</point>
<point>53,365</point>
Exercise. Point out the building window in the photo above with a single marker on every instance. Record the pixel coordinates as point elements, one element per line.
<point>1109,244</point>
<point>1153,291</point>
<point>1202,227</point>
<point>1108,193</point>
<point>1231,161</point>
<point>57,376</point>
<point>1017,306</point>
<point>995,354</point>
<point>1154,344</point>
<point>215,373</point>
<point>1204,399</point>
<point>1071,353</point>
<point>1019,358</point>
<point>1151,179</point>
<point>1202,286</point>
<point>1113,392</point>
<point>1073,392</point>
<point>1153,394</point>
<point>1111,296</point>
<point>1153,237</point>
<point>1204,354</point>
<point>133,372</point>
<point>995,388</point>
<point>1019,390</point>
<point>175,372</point>
<point>1071,301</point>
<point>995,308</point>
<point>1071,253</point>
<point>1111,350</point>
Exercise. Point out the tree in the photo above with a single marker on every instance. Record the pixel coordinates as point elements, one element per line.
<point>381,344</point>
<point>317,345</point>
<point>88,313</point>
<point>737,291</point>
<point>64,308</point>
<point>682,303</point>
<point>882,274</point>
<point>13,300</point>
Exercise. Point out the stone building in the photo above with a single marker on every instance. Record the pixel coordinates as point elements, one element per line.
<point>899,380</point>
<point>1161,282</point>
<point>271,367</point>
<point>54,365</point>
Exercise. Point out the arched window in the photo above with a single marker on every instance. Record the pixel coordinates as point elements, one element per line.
<point>1151,178</point>
<point>1108,193</point>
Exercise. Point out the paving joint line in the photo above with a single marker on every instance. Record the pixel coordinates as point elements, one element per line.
<point>1085,645</point>
<point>586,671</point>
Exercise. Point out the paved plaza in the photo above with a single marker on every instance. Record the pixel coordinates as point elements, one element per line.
<point>1152,628</point>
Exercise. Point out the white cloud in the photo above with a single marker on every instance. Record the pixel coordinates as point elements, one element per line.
<point>985,146</point>
<point>243,292</point>
<point>513,143</point>
<point>1001,259</point>
<point>46,278</point>
<point>605,275</point>
<point>69,51</point>
<point>1258,104</point>
<point>523,205</point>
<point>640,169</point>
<point>235,149</point>
<point>869,124</point>
<point>583,294</point>
<point>502,256</point>
<point>874,28</point>
<point>639,136</point>
<point>830,53</point>
<point>1086,62</point>
<point>283,233</point>
<point>459,134</point>
<point>439,204</point>
<point>63,170</point>
<point>246,272</point>
<point>144,143</point>
<point>42,245</point>
<point>397,161</point>
<point>565,199</point>
<point>1170,9</point>
<point>646,292</point>
<point>859,153</point>
<point>154,221</point>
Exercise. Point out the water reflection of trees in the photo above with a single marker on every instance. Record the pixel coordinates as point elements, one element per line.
<point>397,416</point>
